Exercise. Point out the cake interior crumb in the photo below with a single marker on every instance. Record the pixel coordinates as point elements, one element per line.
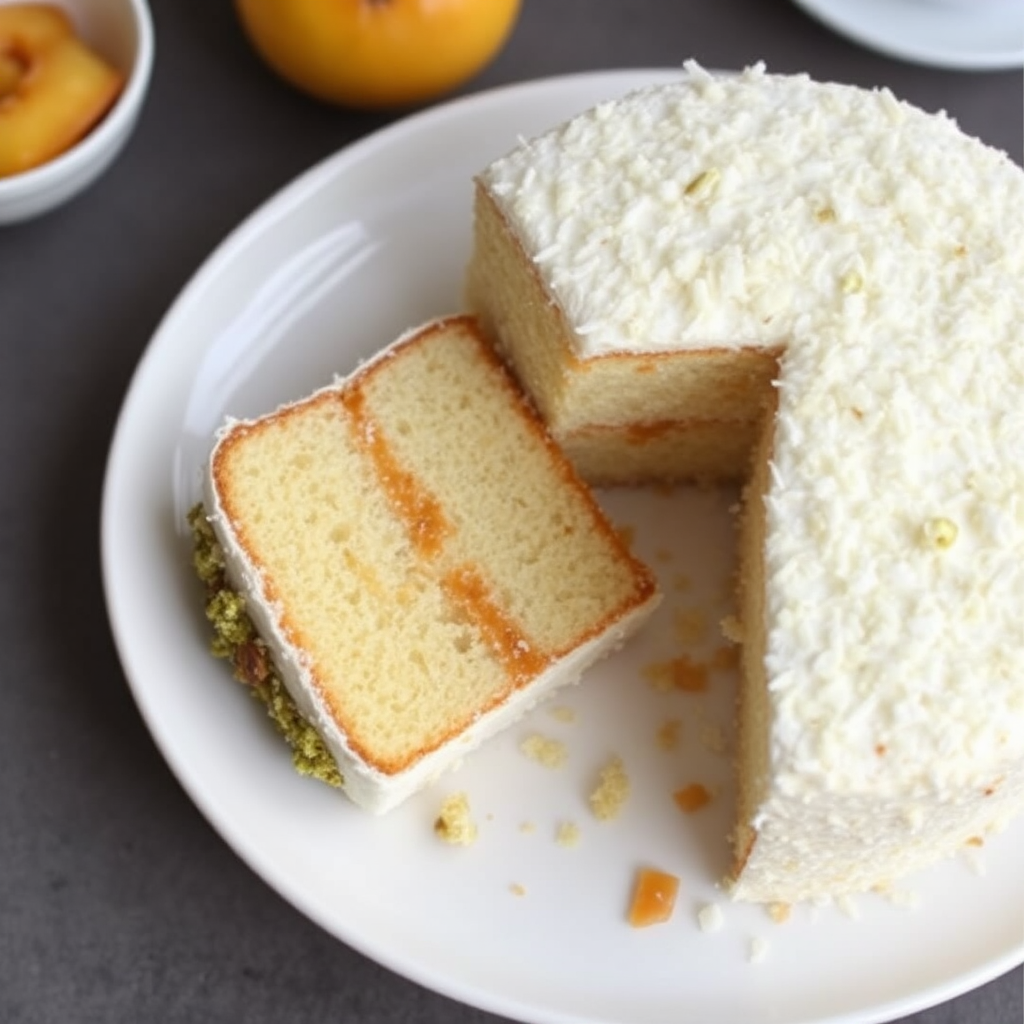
<point>612,791</point>
<point>548,752</point>
<point>454,823</point>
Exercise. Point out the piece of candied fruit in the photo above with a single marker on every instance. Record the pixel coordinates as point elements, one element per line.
<point>654,897</point>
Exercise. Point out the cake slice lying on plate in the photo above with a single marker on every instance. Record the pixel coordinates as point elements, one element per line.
<point>420,560</point>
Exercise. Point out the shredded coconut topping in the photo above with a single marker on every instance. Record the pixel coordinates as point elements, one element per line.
<point>882,251</point>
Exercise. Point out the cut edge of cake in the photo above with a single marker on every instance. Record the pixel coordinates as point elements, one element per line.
<point>620,605</point>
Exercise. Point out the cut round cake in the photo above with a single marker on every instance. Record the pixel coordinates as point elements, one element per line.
<point>421,561</point>
<point>815,289</point>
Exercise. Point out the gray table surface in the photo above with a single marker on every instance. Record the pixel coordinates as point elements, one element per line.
<point>118,901</point>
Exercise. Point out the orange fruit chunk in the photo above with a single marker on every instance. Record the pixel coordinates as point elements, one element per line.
<point>692,797</point>
<point>654,897</point>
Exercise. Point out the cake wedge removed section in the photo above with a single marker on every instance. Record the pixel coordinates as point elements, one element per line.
<point>420,558</point>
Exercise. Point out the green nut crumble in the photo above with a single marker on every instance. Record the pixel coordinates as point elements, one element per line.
<point>235,639</point>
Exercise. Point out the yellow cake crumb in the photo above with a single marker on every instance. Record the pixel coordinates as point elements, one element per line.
<point>548,752</point>
<point>454,824</point>
<point>779,912</point>
<point>667,736</point>
<point>563,713</point>
<point>612,791</point>
<point>517,889</point>
<point>568,834</point>
<point>527,827</point>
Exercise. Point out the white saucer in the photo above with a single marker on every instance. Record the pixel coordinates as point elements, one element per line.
<point>989,37</point>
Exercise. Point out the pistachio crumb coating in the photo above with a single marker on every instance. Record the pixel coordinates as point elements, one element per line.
<point>235,639</point>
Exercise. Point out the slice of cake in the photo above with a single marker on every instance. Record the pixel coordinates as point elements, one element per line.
<point>420,559</point>
<point>814,288</point>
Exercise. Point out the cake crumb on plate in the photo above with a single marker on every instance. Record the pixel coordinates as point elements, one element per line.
<point>710,918</point>
<point>612,791</point>
<point>454,824</point>
<point>548,752</point>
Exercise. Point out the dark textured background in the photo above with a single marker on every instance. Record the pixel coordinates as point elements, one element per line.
<point>118,902</point>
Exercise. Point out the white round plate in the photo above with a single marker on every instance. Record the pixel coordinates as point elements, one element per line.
<point>987,37</point>
<point>366,244</point>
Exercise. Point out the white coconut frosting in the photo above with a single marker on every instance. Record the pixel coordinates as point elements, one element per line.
<point>883,251</point>
<point>659,223</point>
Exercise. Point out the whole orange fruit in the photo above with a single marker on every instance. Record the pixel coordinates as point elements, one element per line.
<point>377,53</point>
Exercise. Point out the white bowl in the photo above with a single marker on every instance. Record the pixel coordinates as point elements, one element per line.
<point>121,31</point>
